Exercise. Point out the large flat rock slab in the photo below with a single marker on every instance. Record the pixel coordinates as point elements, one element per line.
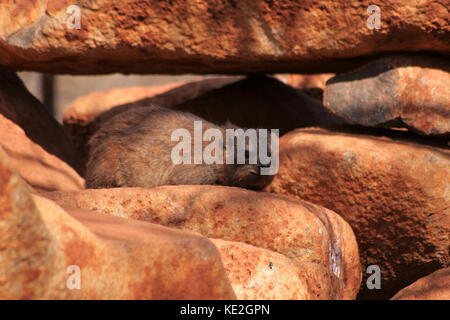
<point>213,37</point>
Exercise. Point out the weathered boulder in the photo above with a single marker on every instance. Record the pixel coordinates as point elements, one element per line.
<point>411,91</point>
<point>260,274</point>
<point>393,192</point>
<point>135,36</point>
<point>254,102</point>
<point>299,230</point>
<point>435,286</point>
<point>36,143</point>
<point>117,258</point>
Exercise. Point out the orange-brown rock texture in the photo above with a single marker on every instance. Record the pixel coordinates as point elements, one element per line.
<point>117,258</point>
<point>435,286</point>
<point>257,273</point>
<point>393,192</point>
<point>37,144</point>
<point>217,36</point>
<point>301,231</point>
<point>411,91</point>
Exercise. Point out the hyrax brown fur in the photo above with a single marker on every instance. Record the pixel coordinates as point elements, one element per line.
<point>133,149</point>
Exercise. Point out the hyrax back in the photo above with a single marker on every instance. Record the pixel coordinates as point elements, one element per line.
<point>133,149</point>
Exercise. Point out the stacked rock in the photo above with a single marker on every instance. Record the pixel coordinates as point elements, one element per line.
<point>359,207</point>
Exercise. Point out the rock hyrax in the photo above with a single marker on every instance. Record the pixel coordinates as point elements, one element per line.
<point>134,148</point>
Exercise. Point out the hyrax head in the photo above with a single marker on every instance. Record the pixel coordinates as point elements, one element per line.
<point>248,158</point>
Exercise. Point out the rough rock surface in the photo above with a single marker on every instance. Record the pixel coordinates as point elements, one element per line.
<point>260,274</point>
<point>435,286</point>
<point>214,37</point>
<point>118,258</point>
<point>299,230</point>
<point>411,91</point>
<point>394,194</point>
<point>254,102</point>
<point>37,144</point>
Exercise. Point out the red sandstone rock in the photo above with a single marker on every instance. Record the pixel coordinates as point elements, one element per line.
<point>435,286</point>
<point>135,36</point>
<point>118,258</point>
<point>393,192</point>
<point>301,231</point>
<point>37,144</point>
<point>409,91</point>
<point>257,273</point>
